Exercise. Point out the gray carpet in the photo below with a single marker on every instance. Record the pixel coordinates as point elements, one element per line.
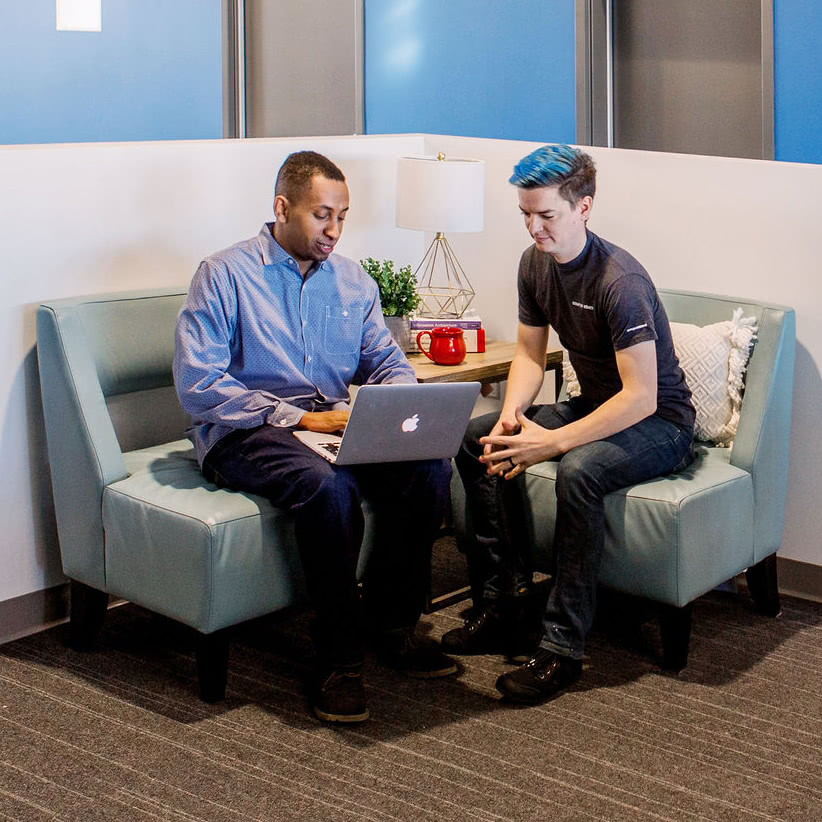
<point>119,734</point>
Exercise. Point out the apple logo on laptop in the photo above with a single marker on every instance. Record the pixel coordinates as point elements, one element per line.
<point>410,424</point>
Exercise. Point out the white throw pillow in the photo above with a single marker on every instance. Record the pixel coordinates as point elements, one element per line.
<point>713,358</point>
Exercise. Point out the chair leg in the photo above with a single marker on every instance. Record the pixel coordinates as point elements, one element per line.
<point>675,624</point>
<point>212,665</point>
<point>762,583</point>
<point>87,610</point>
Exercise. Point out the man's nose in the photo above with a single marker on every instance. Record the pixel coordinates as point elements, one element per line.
<point>333,230</point>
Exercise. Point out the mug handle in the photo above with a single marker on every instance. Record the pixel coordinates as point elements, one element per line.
<point>419,344</point>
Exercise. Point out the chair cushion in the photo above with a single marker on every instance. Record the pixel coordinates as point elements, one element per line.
<point>696,528</point>
<point>180,546</point>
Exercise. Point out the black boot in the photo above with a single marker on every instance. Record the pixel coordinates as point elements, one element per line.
<point>495,626</point>
<point>417,657</point>
<point>543,676</point>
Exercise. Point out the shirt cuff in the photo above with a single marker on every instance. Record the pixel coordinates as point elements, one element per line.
<point>285,416</point>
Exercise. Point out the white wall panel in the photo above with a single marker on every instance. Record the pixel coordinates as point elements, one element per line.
<point>78,219</point>
<point>85,218</point>
<point>746,228</point>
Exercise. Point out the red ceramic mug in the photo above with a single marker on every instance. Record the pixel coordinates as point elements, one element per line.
<point>447,345</point>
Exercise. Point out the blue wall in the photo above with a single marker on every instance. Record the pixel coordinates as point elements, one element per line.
<point>474,68</point>
<point>487,68</point>
<point>154,72</point>
<point>506,68</point>
<point>797,81</point>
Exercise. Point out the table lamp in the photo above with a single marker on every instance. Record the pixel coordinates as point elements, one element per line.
<point>441,194</point>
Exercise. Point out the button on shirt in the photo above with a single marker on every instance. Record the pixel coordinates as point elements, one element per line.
<point>256,344</point>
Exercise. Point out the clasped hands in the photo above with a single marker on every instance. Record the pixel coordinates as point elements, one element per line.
<point>514,445</point>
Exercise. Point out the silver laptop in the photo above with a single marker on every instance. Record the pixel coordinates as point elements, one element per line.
<point>398,423</point>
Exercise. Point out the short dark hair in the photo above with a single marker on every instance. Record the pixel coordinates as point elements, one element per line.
<point>295,174</point>
<point>558,165</point>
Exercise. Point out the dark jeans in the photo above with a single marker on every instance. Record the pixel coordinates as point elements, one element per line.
<point>651,448</point>
<point>408,500</point>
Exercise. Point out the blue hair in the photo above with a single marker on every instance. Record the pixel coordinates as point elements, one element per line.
<point>557,165</point>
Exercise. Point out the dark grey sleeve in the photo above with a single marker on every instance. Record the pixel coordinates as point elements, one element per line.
<point>630,305</point>
<point>530,312</point>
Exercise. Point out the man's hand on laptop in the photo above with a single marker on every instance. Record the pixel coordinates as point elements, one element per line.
<point>324,422</point>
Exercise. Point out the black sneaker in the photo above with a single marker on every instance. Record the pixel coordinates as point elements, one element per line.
<point>413,656</point>
<point>340,696</point>
<point>544,675</point>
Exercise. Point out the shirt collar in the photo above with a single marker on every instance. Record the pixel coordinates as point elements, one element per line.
<point>581,259</point>
<point>273,253</point>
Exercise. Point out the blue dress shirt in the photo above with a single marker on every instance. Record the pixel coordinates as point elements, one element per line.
<point>257,344</point>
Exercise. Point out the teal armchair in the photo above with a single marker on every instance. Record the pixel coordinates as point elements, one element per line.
<point>674,538</point>
<point>135,517</point>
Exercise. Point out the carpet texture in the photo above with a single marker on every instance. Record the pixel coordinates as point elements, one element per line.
<point>119,734</point>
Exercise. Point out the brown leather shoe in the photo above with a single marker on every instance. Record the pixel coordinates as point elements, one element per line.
<point>340,696</point>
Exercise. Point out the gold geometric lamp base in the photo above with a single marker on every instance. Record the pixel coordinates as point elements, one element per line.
<point>443,286</point>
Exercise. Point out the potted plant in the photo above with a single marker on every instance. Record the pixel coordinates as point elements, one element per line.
<point>398,297</point>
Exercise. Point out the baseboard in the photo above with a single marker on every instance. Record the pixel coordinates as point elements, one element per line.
<point>799,579</point>
<point>30,613</point>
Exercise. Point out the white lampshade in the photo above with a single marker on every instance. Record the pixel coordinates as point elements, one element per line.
<point>440,195</point>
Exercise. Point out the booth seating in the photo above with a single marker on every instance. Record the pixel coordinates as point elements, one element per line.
<point>135,517</point>
<point>676,537</point>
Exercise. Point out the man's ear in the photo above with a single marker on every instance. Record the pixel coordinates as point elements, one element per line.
<point>585,205</point>
<point>281,208</point>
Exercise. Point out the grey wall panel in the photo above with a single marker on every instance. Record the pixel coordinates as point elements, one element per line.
<point>688,76</point>
<point>592,53</point>
<point>303,67</point>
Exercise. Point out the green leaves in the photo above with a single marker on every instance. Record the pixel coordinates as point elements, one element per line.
<point>398,289</point>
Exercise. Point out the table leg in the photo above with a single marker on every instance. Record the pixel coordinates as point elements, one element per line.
<point>557,381</point>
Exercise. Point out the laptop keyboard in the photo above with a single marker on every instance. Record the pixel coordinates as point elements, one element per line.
<point>331,447</point>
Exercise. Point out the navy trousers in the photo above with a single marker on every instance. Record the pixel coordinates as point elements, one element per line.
<point>408,500</point>
<point>500,556</point>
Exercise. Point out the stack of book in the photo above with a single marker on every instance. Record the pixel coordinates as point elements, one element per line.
<point>471,324</point>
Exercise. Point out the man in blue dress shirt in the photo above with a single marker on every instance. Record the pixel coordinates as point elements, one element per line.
<point>272,334</point>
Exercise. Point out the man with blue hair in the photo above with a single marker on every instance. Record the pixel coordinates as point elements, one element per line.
<point>632,421</point>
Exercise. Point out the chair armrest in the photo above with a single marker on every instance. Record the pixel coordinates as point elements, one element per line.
<point>762,441</point>
<point>84,455</point>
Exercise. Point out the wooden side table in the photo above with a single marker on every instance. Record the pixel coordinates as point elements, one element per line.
<point>489,367</point>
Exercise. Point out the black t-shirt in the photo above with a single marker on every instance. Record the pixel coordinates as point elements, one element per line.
<point>601,302</point>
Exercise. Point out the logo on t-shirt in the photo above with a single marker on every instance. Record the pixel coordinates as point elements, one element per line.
<point>582,305</point>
